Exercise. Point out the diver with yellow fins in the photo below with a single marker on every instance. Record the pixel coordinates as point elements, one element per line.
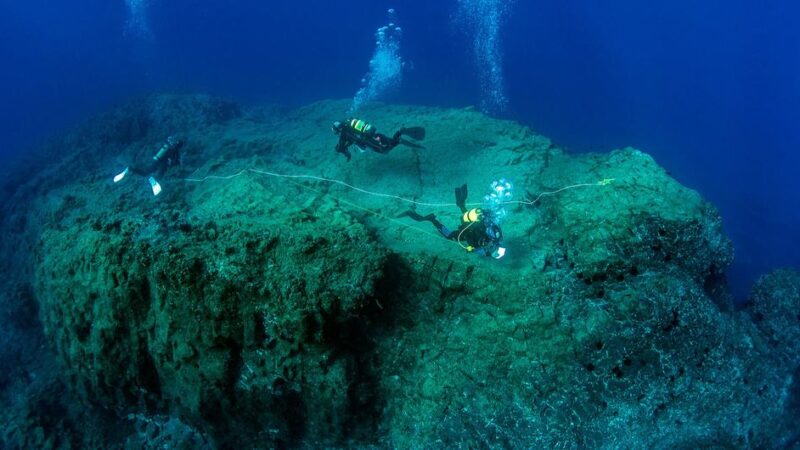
<point>167,156</point>
<point>478,232</point>
<point>363,135</point>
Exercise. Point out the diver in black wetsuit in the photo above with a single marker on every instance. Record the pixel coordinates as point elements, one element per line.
<point>478,231</point>
<point>363,135</point>
<point>167,156</point>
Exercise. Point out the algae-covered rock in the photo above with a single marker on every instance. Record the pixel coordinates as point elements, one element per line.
<point>218,313</point>
<point>775,308</point>
<point>275,294</point>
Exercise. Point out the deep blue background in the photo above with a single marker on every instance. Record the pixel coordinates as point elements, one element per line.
<point>711,89</point>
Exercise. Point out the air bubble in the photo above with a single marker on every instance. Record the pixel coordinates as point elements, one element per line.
<point>385,66</point>
<point>137,24</point>
<point>482,20</point>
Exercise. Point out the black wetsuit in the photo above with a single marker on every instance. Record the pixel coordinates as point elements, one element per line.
<point>348,135</point>
<point>167,156</point>
<point>482,236</point>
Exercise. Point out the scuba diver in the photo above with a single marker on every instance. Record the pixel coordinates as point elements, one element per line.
<point>478,232</point>
<point>167,156</point>
<point>362,134</point>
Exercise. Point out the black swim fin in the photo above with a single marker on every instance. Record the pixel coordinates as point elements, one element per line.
<point>461,197</point>
<point>417,133</point>
<point>429,218</point>
<point>418,217</point>
<point>411,144</point>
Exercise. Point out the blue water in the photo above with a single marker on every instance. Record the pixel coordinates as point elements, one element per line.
<point>711,89</point>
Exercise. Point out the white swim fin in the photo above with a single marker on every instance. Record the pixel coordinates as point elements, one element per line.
<point>154,184</point>
<point>121,175</point>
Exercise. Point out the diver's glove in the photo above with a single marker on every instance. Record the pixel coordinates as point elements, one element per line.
<point>499,253</point>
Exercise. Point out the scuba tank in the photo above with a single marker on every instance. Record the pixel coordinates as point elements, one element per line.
<point>361,126</point>
<point>169,145</point>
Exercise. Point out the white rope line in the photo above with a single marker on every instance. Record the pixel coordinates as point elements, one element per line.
<point>316,178</point>
<point>543,194</point>
<point>381,194</point>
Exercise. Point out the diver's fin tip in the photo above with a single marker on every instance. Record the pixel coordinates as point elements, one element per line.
<point>155,186</point>
<point>417,133</point>
<point>120,175</point>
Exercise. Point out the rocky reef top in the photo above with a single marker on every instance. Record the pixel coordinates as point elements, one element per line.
<point>274,294</point>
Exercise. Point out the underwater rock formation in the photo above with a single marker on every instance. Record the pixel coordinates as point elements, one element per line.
<point>775,306</point>
<point>246,308</point>
<point>224,312</point>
